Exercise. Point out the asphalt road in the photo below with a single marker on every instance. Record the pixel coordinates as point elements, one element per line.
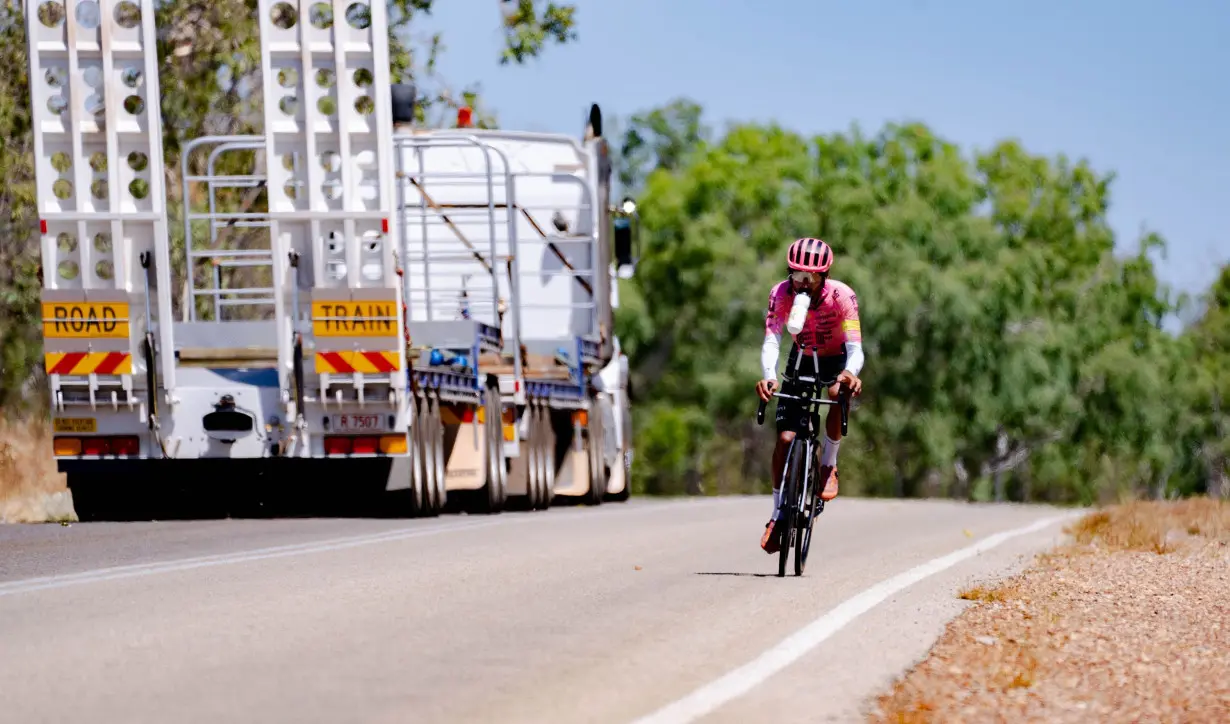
<point>662,611</point>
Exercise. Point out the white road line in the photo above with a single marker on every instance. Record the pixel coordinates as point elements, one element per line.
<point>42,583</point>
<point>738,682</point>
<point>184,564</point>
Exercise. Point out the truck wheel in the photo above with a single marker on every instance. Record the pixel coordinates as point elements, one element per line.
<point>529,457</point>
<point>597,467</point>
<point>424,465</point>
<point>436,431</point>
<point>418,468</point>
<point>409,502</point>
<point>546,438</point>
<point>495,419</point>
<point>495,493</point>
<point>430,457</point>
<point>502,463</point>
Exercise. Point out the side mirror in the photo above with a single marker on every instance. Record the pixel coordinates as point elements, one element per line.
<point>403,102</point>
<point>626,224</point>
<point>593,125</point>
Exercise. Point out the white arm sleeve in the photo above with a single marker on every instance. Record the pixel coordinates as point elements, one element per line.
<point>769,353</point>
<point>854,357</point>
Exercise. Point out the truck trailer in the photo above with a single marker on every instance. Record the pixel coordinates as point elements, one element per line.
<point>362,304</point>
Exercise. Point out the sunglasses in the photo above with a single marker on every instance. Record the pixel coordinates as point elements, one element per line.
<point>802,277</point>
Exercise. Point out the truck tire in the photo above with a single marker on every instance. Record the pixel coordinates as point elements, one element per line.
<point>430,456</point>
<point>419,481</point>
<point>594,446</point>
<point>424,463</point>
<point>497,431</point>
<point>436,430</point>
<point>530,454</point>
<point>546,438</point>
<point>410,502</point>
<point>494,494</point>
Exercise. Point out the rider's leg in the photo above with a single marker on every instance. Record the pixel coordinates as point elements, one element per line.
<point>832,423</point>
<point>828,451</point>
<point>779,464</point>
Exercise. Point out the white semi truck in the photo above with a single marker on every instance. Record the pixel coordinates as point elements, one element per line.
<point>361,303</point>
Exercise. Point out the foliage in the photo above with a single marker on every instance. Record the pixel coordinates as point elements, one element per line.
<point>20,341</point>
<point>1010,353</point>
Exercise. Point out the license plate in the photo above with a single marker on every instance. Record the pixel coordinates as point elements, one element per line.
<point>355,422</point>
<point>75,424</point>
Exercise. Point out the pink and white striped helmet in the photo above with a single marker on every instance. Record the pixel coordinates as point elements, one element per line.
<point>809,255</point>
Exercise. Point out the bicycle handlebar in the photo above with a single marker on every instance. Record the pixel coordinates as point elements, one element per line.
<point>842,401</point>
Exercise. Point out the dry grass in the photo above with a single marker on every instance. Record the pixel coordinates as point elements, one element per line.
<point>30,488</point>
<point>1104,629</point>
<point>986,595</point>
<point>1153,526</point>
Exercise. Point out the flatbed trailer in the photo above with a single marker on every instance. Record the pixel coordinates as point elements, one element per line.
<point>300,339</point>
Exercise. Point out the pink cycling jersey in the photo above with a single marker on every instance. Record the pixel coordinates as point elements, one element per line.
<point>831,321</point>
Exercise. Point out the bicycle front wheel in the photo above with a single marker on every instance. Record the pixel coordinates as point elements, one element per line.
<point>788,520</point>
<point>809,506</point>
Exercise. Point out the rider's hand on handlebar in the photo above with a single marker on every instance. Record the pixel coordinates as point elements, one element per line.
<point>848,379</point>
<point>765,389</point>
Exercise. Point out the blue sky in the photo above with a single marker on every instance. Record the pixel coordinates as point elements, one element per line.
<point>1138,87</point>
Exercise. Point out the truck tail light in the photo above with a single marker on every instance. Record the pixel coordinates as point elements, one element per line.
<point>119,445</point>
<point>125,445</point>
<point>337,446</point>
<point>365,445</point>
<point>67,446</point>
<point>393,445</point>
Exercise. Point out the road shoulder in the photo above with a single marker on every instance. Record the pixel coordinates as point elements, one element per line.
<point>1126,622</point>
<point>834,682</point>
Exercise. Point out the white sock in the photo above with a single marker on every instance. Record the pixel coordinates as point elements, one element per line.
<point>828,455</point>
<point>777,502</point>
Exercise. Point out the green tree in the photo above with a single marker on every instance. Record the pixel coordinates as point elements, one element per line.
<point>662,138</point>
<point>1011,353</point>
<point>1207,422</point>
<point>20,340</point>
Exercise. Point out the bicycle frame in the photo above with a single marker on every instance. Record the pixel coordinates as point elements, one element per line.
<point>800,500</point>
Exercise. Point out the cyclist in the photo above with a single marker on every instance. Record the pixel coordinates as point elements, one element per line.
<point>832,329</point>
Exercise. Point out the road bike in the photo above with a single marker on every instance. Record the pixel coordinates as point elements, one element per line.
<point>800,501</point>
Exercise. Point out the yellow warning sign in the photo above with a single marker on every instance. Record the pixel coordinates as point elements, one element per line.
<point>85,320</point>
<point>354,319</point>
<point>75,424</point>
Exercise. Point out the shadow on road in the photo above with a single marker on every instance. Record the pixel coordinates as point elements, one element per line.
<point>131,503</point>
<point>208,490</point>
<point>732,573</point>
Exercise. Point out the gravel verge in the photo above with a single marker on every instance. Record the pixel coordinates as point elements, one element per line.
<point>1128,622</point>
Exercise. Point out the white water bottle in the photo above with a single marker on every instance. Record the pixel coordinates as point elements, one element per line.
<point>798,313</point>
